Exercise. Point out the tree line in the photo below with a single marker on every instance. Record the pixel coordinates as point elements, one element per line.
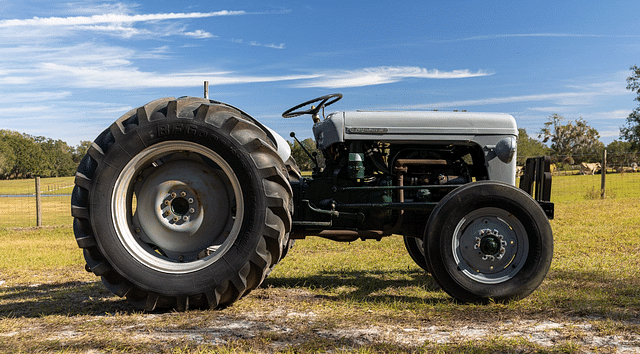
<point>27,156</point>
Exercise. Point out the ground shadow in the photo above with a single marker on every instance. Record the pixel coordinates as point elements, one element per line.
<point>69,299</point>
<point>365,286</point>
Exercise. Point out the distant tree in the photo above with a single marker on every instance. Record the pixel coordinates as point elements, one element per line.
<point>28,156</point>
<point>7,159</point>
<point>620,153</point>
<point>57,158</point>
<point>81,150</point>
<point>571,140</point>
<point>631,131</point>
<point>529,147</point>
<point>302,159</point>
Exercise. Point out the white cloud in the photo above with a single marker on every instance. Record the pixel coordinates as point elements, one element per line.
<point>256,44</point>
<point>127,77</point>
<point>118,23</point>
<point>384,75</point>
<point>518,35</point>
<point>30,97</point>
<point>578,98</point>
<point>199,34</point>
<point>500,100</point>
<point>111,18</point>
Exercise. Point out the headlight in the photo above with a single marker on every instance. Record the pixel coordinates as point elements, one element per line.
<point>506,149</point>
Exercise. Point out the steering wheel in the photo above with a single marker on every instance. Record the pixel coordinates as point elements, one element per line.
<point>324,101</point>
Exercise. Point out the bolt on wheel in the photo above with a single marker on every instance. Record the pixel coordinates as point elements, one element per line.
<point>490,245</point>
<point>488,241</point>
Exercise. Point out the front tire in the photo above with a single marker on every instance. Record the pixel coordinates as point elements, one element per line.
<point>182,203</point>
<point>488,241</point>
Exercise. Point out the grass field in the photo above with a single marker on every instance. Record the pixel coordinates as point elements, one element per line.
<point>365,297</point>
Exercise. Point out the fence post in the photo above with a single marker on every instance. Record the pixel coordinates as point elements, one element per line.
<point>38,203</point>
<point>603,177</point>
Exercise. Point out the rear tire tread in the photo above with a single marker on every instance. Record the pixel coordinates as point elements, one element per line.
<point>277,220</point>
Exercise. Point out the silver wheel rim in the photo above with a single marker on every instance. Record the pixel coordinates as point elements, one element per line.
<point>490,245</point>
<point>177,207</point>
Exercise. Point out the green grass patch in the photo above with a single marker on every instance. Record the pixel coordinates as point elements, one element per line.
<point>22,211</point>
<point>577,187</point>
<point>53,185</point>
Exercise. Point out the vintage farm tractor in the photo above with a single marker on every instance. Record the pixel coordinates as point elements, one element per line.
<point>189,202</point>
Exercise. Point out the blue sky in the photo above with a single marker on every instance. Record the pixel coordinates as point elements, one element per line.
<point>69,69</point>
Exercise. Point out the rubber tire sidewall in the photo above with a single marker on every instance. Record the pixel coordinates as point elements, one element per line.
<point>416,252</point>
<point>215,274</point>
<point>456,205</point>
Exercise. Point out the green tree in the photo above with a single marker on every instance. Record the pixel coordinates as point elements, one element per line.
<point>57,158</point>
<point>631,131</point>
<point>575,141</point>
<point>7,159</point>
<point>620,153</point>
<point>302,159</point>
<point>529,147</point>
<point>81,150</point>
<point>28,156</point>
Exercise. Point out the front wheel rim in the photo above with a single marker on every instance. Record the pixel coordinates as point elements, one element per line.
<point>490,245</point>
<point>177,207</point>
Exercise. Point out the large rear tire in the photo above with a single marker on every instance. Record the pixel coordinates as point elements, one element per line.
<point>488,241</point>
<point>182,203</point>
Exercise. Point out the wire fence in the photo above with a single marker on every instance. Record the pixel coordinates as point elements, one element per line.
<point>597,176</point>
<point>18,202</point>
<point>575,178</point>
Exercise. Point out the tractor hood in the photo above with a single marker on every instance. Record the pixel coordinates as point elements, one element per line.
<point>407,126</point>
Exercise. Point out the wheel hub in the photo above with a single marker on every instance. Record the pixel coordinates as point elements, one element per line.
<point>179,206</point>
<point>491,244</point>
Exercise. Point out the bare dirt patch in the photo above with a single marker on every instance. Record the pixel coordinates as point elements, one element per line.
<point>287,322</point>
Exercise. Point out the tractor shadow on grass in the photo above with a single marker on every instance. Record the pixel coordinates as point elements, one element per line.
<point>409,286</point>
<point>68,299</point>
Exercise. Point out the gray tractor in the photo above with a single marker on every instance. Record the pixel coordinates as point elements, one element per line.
<point>190,203</point>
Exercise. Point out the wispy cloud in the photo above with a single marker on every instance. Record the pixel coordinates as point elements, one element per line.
<point>582,96</point>
<point>384,75</point>
<point>258,44</point>
<point>112,18</point>
<point>127,77</point>
<point>199,34</point>
<point>273,46</point>
<point>119,22</point>
<point>517,35</point>
<point>561,98</point>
